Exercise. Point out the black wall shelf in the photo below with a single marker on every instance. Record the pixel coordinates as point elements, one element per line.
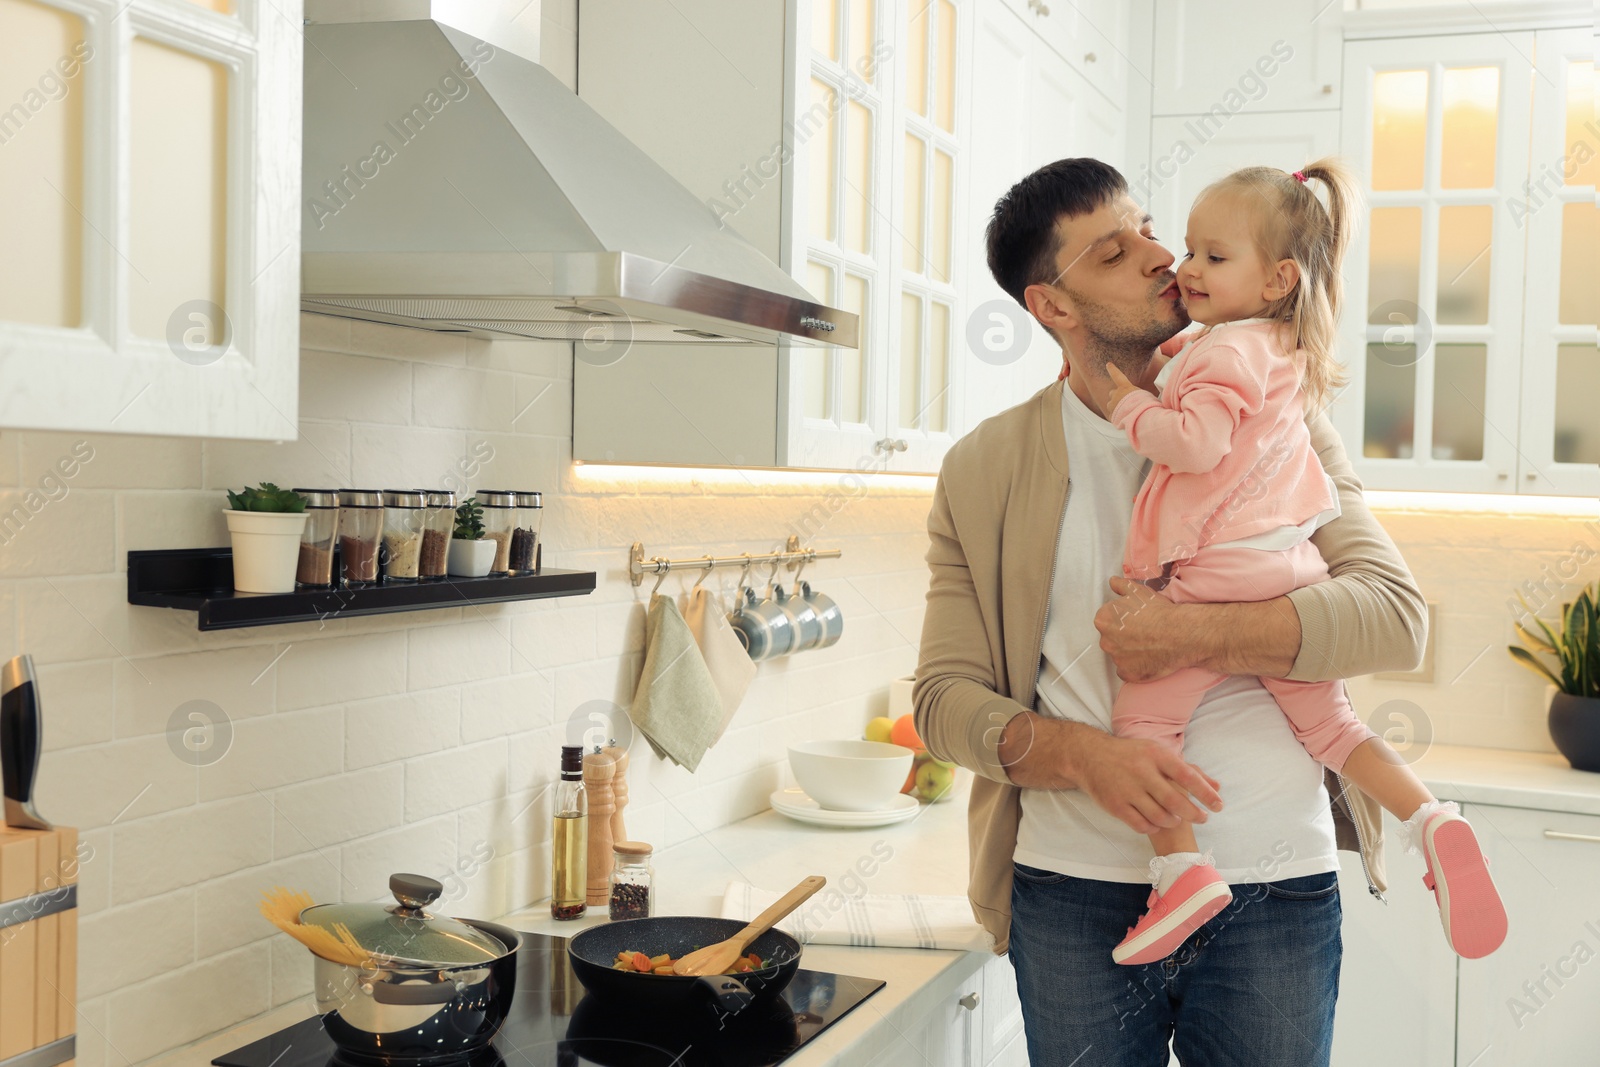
<point>201,580</point>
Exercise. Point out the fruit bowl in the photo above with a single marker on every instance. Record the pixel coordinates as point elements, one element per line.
<point>845,775</point>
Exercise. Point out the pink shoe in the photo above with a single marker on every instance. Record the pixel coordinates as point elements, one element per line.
<point>1469,905</point>
<point>1197,895</point>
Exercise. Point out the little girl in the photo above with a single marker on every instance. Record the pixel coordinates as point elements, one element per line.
<point>1226,514</point>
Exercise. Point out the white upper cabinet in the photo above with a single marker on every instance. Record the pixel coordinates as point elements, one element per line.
<point>1220,57</point>
<point>1559,437</point>
<point>150,168</point>
<point>1469,324</point>
<point>1030,108</point>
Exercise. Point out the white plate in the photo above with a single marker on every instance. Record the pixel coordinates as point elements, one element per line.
<point>796,805</point>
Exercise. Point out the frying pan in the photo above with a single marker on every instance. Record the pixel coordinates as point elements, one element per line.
<point>593,951</point>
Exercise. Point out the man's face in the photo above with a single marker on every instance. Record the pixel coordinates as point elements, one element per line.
<point>1117,278</point>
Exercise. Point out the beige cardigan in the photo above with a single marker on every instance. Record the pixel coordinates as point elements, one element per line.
<point>997,512</point>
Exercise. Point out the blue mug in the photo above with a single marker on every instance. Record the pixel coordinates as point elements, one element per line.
<point>762,626</point>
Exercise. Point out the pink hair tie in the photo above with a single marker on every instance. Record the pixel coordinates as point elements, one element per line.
<point>1300,176</point>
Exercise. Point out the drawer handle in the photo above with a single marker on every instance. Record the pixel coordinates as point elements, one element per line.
<point>1562,835</point>
<point>970,1001</point>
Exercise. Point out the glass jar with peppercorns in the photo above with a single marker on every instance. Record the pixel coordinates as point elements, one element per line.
<point>633,890</point>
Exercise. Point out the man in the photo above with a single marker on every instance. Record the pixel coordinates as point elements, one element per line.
<point>1022,637</point>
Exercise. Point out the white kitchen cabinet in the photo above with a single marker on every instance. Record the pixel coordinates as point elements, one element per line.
<point>1035,108</point>
<point>831,134</point>
<point>1397,979</point>
<point>1559,433</point>
<point>1090,35</point>
<point>979,1025</point>
<point>1470,318</point>
<point>1533,1001</point>
<point>151,175</point>
<point>1230,56</point>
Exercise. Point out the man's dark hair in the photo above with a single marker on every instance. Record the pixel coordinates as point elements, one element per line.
<point>1021,236</point>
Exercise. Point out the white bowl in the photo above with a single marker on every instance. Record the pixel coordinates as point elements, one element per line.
<point>850,775</point>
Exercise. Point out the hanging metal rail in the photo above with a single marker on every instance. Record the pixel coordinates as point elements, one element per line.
<point>791,557</point>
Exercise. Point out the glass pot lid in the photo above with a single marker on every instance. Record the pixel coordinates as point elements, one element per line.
<point>404,933</point>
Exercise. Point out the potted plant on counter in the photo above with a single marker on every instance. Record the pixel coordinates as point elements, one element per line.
<point>264,525</point>
<point>1575,644</point>
<point>471,553</point>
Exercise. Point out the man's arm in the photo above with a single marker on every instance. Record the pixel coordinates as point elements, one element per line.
<point>1369,617</point>
<point>960,717</point>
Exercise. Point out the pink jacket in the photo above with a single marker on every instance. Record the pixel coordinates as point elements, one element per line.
<point>1230,446</point>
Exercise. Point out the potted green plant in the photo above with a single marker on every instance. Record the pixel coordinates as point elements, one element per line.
<point>471,553</point>
<point>1575,705</point>
<point>265,524</point>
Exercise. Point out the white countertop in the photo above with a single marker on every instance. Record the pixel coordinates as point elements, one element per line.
<point>929,856</point>
<point>1512,779</point>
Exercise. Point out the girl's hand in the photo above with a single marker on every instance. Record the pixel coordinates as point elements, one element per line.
<point>1120,387</point>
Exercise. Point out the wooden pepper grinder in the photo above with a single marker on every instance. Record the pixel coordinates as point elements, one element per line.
<point>599,771</point>
<point>619,789</point>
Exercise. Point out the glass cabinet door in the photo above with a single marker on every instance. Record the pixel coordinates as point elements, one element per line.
<point>1560,439</point>
<point>1438,128</point>
<point>844,136</point>
<point>924,397</point>
<point>149,245</point>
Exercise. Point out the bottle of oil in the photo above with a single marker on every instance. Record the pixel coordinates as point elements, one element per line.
<point>569,839</point>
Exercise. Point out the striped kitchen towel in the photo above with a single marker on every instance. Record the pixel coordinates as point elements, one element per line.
<point>880,920</point>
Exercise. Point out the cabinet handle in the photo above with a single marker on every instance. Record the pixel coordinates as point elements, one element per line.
<point>1327,90</point>
<point>890,444</point>
<point>970,1002</point>
<point>1088,57</point>
<point>1562,835</point>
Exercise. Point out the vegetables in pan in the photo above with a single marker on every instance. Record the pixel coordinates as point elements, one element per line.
<point>662,964</point>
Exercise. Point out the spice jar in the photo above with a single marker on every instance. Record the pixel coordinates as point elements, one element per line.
<point>360,530</point>
<point>633,890</point>
<point>525,537</point>
<point>315,568</point>
<point>499,522</point>
<point>437,525</point>
<point>403,512</point>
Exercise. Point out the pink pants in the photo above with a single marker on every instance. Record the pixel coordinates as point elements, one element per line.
<point>1319,712</point>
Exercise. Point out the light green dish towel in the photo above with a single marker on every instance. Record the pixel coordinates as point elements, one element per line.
<point>676,705</point>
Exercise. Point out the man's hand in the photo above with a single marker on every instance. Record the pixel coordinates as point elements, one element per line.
<point>1147,636</point>
<point>1139,630</point>
<point>1142,783</point>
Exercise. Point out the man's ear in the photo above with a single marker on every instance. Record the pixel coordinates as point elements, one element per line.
<point>1281,282</point>
<point>1051,307</point>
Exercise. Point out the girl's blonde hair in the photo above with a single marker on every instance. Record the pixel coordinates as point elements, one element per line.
<point>1294,224</point>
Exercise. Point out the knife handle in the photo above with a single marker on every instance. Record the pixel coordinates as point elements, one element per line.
<point>20,742</point>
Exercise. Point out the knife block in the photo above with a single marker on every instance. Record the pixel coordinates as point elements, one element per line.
<point>38,944</point>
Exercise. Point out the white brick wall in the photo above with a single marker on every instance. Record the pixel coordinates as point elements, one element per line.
<point>421,741</point>
<point>425,741</point>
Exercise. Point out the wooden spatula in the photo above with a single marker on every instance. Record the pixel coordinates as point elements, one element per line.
<point>714,959</point>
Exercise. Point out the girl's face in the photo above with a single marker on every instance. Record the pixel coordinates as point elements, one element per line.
<point>1223,277</point>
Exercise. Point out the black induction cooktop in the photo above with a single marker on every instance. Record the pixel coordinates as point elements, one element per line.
<point>555,1022</point>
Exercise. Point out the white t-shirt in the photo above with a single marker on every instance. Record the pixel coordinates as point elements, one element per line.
<point>1275,822</point>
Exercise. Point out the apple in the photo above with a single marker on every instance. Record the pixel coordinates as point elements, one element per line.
<point>934,779</point>
<point>879,729</point>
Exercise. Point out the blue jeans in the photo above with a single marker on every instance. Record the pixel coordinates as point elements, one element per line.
<point>1254,987</point>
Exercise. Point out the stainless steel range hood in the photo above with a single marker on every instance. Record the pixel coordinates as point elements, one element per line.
<point>457,187</point>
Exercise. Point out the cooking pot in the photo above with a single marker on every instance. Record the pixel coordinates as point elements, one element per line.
<point>436,990</point>
<point>593,951</point>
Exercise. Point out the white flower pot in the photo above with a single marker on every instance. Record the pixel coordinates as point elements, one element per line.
<point>470,559</point>
<point>266,547</point>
